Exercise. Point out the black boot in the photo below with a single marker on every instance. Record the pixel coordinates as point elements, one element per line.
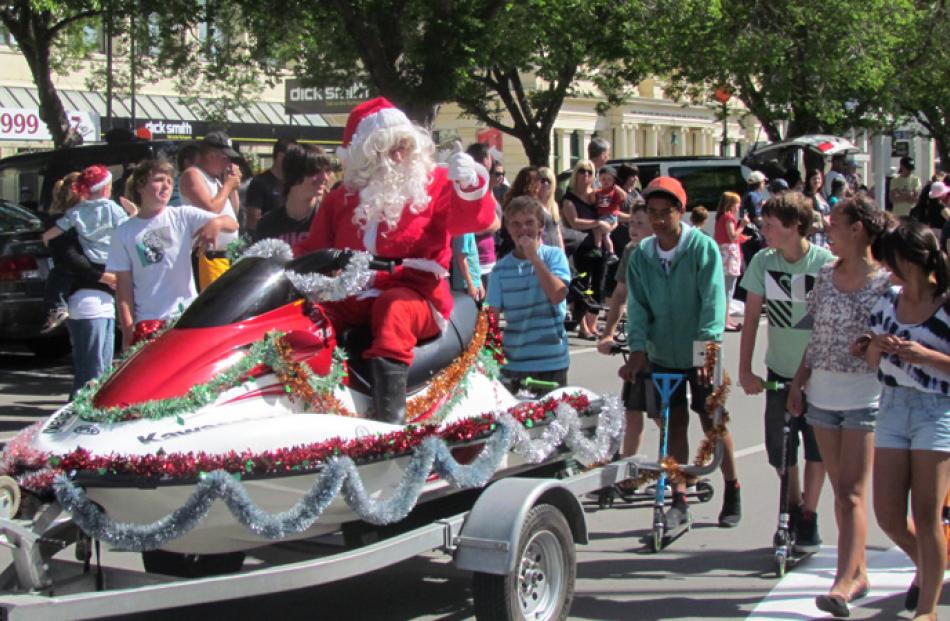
<point>389,390</point>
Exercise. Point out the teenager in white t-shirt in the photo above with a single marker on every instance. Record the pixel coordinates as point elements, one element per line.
<point>151,253</point>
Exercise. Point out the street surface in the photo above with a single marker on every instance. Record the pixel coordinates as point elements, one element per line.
<point>709,574</point>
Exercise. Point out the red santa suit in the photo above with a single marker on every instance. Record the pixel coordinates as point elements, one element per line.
<point>413,302</point>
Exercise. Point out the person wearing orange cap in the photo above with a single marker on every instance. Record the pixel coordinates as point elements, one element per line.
<point>676,297</point>
<point>395,203</point>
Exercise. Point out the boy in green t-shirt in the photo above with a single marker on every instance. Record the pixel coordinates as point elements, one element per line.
<point>781,277</point>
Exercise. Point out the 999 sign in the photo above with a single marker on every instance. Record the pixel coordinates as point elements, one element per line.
<point>19,123</point>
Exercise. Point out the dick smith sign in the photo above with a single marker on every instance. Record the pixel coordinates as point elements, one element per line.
<point>301,99</point>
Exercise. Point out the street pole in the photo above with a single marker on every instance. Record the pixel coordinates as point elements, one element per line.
<point>725,129</point>
<point>108,68</point>
<point>132,64</point>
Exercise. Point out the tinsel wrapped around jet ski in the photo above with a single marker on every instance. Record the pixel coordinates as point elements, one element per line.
<point>249,420</point>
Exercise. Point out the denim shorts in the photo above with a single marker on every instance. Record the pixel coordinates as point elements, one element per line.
<point>861,419</point>
<point>913,419</point>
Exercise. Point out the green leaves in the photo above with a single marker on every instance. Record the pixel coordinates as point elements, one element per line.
<point>790,60</point>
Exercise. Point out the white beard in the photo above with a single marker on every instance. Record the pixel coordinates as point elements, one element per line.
<point>392,189</point>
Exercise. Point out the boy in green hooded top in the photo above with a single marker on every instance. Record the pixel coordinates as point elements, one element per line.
<point>676,297</point>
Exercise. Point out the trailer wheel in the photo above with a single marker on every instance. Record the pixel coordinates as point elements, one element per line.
<point>542,586</point>
<point>9,497</point>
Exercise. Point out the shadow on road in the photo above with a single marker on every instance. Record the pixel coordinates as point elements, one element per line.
<point>31,386</point>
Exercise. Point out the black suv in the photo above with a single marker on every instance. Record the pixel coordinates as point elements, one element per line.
<point>28,178</point>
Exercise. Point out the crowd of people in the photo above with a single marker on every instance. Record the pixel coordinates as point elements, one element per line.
<point>857,300</point>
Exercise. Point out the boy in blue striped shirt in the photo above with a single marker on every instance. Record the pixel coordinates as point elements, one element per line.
<point>529,286</point>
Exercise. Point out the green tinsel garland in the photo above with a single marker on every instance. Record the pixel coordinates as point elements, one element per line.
<point>262,352</point>
<point>236,248</point>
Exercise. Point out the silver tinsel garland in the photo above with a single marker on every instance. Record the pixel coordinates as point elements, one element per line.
<point>355,277</point>
<point>267,248</point>
<point>341,474</point>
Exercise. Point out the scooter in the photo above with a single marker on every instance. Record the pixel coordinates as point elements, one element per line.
<point>785,555</point>
<point>701,491</point>
<point>666,384</point>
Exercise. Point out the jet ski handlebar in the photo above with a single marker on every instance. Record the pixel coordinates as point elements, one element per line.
<point>332,259</point>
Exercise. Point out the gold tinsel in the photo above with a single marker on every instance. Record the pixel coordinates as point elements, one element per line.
<point>293,377</point>
<point>715,400</point>
<point>448,379</point>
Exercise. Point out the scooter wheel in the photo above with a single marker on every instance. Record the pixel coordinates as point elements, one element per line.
<point>656,543</point>
<point>704,491</point>
<point>781,561</point>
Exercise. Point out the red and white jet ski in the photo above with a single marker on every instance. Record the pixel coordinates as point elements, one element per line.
<point>140,470</point>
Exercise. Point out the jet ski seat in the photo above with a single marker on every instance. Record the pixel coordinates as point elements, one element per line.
<point>429,357</point>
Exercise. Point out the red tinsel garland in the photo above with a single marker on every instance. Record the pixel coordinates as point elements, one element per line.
<point>493,340</point>
<point>298,458</point>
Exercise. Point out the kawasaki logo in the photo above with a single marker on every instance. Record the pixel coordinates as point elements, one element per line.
<point>171,435</point>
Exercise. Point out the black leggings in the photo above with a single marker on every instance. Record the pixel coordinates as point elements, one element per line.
<point>595,268</point>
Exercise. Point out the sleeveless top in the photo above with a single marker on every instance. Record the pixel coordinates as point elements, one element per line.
<point>214,186</point>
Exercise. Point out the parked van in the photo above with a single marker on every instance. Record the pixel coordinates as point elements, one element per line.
<point>704,178</point>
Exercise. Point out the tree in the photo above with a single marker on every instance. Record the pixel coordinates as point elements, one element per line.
<point>922,86</point>
<point>203,45</point>
<point>39,26</point>
<point>820,67</point>
<point>541,52</point>
<point>413,52</point>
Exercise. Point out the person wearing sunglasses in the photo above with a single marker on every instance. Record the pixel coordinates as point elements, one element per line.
<point>552,214</point>
<point>580,213</point>
<point>499,186</point>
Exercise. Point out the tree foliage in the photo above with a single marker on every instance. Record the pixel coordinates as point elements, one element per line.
<point>203,45</point>
<point>922,85</point>
<point>413,52</point>
<point>541,52</point>
<point>39,26</point>
<point>819,66</point>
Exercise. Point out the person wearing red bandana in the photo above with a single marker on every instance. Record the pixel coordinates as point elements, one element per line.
<point>395,203</point>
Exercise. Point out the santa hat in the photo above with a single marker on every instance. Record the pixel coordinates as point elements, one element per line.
<point>369,116</point>
<point>92,179</point>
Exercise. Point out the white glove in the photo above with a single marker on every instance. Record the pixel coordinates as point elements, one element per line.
<point>463,171</point>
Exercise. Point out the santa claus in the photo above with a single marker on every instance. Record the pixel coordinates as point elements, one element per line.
<point>397,204</point>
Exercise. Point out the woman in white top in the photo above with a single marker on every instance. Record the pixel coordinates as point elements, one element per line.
<point>841,390</point>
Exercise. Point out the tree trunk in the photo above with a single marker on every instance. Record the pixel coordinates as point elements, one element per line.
<point>537,146</point>
<point>422,112</point>
<point>938,126</point>
<point>36,50</point>
<point>803,123</point>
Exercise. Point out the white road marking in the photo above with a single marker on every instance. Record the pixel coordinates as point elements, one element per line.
<point>750,450</point>
<point>583,350</point>
<point>889,573</point>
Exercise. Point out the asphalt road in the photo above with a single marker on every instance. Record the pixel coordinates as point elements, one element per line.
<point>710,573</point>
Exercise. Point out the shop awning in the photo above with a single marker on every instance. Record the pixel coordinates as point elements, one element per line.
<point>253,121</point>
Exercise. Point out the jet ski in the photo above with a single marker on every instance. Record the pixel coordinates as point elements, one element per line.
<point>221,389</point>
